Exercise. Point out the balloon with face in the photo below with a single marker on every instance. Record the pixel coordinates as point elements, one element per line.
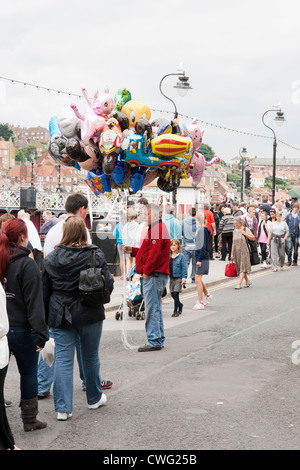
<point>196,134</point>
<point>122,96</point>
<point>135,110</point>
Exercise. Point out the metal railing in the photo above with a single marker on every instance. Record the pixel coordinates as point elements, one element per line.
<point>55,201</point>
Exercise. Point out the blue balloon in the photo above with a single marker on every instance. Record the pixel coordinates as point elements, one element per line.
<point>137,178</point>
<point>98,181</point>
<point>118,174</point>
<point>53,127</point>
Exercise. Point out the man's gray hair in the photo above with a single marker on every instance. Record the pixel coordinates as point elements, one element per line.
<point>170,210</point>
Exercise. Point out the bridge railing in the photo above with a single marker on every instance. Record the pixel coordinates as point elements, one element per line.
<point>55,201</point>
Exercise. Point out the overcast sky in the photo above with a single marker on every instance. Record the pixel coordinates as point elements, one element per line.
<point>241,59</point>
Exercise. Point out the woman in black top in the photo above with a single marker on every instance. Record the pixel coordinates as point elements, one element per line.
<point>68,317</point>
<point>28,330</point>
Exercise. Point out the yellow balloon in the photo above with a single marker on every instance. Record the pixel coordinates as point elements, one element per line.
<point>135,110</point>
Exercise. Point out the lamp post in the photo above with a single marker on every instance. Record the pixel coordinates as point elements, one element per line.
<point>243,155</point>
<point>279,118</point>
<point>182,86</point>
<point>32,155</point>
<point>59,188</point>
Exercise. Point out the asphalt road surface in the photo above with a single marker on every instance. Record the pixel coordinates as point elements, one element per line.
<point>228,378</point>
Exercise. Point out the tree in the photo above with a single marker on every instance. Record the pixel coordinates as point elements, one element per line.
<point>208,153</point>
<point>26,153</point>
<point>5,132</point>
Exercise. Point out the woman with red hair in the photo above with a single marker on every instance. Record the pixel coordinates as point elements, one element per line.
<point>28,331</point>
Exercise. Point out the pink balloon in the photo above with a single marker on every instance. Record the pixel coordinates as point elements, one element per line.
<point>93,122</point>
<point>196,134</point>
<point>197,167</point>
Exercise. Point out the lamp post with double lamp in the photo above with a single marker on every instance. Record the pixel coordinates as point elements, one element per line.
<point>243,155</point>
<point>279,118</point>
<point>182,87</point>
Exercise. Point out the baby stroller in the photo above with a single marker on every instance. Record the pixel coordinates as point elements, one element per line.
<point>134,299</point>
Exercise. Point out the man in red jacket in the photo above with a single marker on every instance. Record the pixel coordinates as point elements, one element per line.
<point>152,263</point>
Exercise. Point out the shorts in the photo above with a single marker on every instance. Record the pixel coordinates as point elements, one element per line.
<point>175,284</point>
<point>204,268</point>
<point>120,250</point>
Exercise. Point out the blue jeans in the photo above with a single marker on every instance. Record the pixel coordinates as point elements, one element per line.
<point>153,288</point>
<point>22,345</point>
<point>292,244</point>
<point>190,256</point>
<point>46,372</point>
<point>65,342</point>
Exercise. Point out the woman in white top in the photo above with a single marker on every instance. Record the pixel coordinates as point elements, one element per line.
<point>6,437</point>
<point>278,234</point>
<point>131,237</point>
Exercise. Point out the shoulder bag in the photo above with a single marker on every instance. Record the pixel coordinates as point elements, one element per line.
<point>92,286</point>
<point>252,246</point>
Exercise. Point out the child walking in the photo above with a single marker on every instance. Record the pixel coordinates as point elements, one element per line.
<point>178,275</point>
<point>202,261</point>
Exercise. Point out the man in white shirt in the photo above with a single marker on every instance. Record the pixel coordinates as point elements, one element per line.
<point>76,204</point>
<point>33,237</point>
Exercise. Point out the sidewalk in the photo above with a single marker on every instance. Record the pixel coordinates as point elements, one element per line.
<point>215,276</point>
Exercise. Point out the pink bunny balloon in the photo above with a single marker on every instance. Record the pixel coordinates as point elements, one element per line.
<point>93,122</point>
<point>196,134</point>
<point>101,105</point>
<point>197,167</point>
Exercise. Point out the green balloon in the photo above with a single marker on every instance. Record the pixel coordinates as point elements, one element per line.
<point>122,96</point>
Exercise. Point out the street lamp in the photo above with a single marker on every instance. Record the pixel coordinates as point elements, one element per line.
<point>243,155</point>
<point>182,86</point>
<point>32,155</point>
<point>59,188</point>
<point>279,118</point>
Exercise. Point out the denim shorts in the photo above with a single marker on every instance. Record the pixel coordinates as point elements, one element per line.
<point>204,268</point>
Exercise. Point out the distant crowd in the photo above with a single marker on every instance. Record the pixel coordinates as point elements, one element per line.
<point>40,297</point>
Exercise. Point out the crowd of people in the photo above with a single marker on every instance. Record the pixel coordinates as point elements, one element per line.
<point>40,297</point>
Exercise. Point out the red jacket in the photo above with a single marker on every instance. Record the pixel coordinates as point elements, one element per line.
<point>154,254</point>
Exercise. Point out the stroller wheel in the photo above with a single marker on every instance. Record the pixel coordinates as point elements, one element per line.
<point>117,315</point>
<point>138,316</point>
<point>143,315</point>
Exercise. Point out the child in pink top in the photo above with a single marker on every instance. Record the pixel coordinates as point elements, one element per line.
<point>262,235</point>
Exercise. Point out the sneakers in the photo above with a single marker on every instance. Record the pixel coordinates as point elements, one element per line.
<point>63,416</point>
<point>42,395</point>
<point>207,298</point>
<point>106,384</point>
<point>101,402</point>
<point>198,306</point>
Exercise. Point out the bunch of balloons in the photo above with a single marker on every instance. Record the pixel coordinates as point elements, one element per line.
<point>119,147</point>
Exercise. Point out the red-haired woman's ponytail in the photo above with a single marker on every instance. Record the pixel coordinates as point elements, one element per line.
<point>9,234</point>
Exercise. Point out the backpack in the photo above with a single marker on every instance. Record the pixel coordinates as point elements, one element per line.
<point>92,287</point>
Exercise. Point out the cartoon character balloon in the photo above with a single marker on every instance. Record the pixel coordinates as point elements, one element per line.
<point>196,134</point>
<point>122,96</point>
<point>197,167</point>
<point>116,143</point>
<point>135,110</point>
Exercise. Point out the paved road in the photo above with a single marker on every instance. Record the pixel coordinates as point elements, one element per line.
<point>225,379</point>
